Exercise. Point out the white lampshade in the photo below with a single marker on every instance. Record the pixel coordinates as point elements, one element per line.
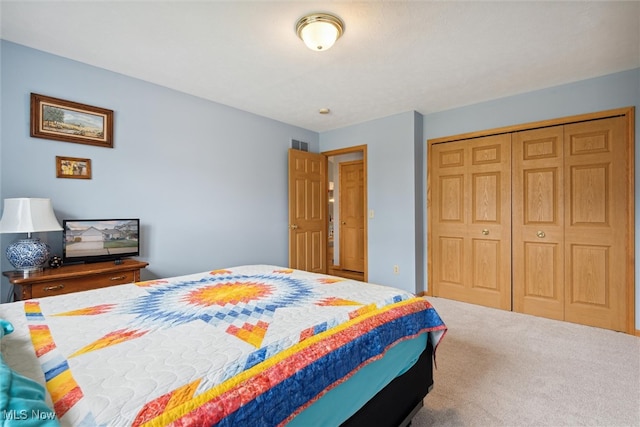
<point>24,215</point>
<point>319,31</point>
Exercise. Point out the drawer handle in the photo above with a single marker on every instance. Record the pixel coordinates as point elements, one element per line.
<point>53,288</point>
<point>118,278</point>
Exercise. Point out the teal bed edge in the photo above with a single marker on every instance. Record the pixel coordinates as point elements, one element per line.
<point>361,386</point>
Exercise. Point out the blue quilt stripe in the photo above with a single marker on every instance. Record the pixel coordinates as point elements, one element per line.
<point>320,328</point>
<point>279,402</point>
<point>56,370</point>
<point>255,358</point>
<point>34,316</point>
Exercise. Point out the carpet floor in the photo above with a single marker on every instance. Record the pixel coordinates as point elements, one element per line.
<point>499,368</point>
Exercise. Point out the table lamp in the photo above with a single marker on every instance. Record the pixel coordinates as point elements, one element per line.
<point>26,215</point>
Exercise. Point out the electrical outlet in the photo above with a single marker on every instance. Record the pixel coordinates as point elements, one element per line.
<point>396,269</point>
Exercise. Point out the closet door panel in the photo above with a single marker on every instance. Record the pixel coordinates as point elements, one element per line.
<point>471,227</point>
<point>449,234</point>
<point>541,281</point>
<point>596,223</point>
<point>538,222</point>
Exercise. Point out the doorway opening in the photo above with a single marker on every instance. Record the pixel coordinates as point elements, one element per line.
<point>347,212</point>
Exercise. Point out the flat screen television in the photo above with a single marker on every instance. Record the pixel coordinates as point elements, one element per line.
<point>95,240</point>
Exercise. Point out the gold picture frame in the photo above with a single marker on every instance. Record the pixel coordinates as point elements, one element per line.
<point>73,167</point>
<point>60,120</point>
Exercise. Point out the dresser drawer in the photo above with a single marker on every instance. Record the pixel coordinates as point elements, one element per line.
<point>66,286</point>
<point>74,278</point>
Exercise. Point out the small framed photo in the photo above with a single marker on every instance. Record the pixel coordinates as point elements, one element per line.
<point>57,119</point>
<point>73,167</point>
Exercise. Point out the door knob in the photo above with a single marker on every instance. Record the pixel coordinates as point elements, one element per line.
<point>293,227</point>
<point>540,234</point>
<point>485,231</point>
<point>343,222</point>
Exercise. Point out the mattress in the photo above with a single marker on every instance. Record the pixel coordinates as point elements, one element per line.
<point>248,345</point>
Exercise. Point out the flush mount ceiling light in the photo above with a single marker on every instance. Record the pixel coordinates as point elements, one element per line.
<point>319,31</point>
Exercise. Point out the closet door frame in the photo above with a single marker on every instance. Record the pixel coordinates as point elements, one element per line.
<point>629,114</point>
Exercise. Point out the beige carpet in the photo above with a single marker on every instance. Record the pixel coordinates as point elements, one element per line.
<point>498,368</point>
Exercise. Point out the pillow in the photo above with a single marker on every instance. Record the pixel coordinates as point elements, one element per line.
<point>21,399</point>
<point>5,328</point>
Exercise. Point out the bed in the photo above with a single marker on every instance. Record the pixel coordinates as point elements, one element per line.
<point>254,345</point>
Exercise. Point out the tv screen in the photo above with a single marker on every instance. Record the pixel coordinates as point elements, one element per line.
<point>94,240</point>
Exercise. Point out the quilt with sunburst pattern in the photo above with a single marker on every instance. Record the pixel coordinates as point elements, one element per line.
<point>249,345</point>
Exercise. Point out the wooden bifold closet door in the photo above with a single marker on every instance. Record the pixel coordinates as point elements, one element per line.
<point>545,230</point>
<point>538,222</point>
<point>570,223</point>
<point>472,220</point>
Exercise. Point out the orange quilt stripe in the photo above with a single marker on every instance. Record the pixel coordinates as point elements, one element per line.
<point>251,334</point>
<point>333,301</point>
<point>41,339</point>
<point>330,280</point>
<point>112,338</point>
<point>166,402</point>
<point>151,410</point>
<point>87,311</point>
<point>31,307</point>
<point>149,283</point>
<point>63,405</point>
<point>60,385</point>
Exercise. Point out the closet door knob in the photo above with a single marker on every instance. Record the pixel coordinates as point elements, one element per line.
<point>540,234</point>
<point>293,226</point>
<point>485,231</point>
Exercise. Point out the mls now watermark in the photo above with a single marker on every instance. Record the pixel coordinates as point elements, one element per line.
<point>23,414</point>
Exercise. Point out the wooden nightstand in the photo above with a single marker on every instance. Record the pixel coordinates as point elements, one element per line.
<point>74,278</point>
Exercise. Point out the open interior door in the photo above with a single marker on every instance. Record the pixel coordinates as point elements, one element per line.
<point>307,211</point>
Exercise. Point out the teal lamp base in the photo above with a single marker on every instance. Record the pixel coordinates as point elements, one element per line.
<point>28,255</point>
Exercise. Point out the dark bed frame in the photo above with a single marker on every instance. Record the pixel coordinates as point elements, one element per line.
<point>397,403</point>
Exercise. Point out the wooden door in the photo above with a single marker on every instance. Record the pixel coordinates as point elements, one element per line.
<point>596,227</point>
<point>538,222</point>
<point>307,211</point>
<point>570,228</point>
<point>573,218</point>
<point>352,216</point>
<point>471,222</point>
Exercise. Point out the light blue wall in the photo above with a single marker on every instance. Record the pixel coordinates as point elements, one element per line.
<point>214,177</point>
<point>208,182</point>
<point>603,93</point>
<point>391,172</point>
<point>420,188</point>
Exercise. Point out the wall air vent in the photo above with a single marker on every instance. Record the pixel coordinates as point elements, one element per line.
<point>299,145</point>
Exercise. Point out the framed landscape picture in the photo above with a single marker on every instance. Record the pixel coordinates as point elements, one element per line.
<point>57,119</point>
<point>73,167</point>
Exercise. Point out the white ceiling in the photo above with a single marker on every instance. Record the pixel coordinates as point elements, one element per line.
<point>394,56</point>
